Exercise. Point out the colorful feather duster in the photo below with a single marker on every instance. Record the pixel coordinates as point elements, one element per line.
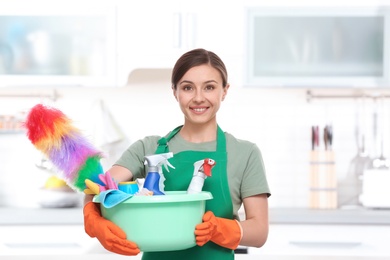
<point>52,133</point>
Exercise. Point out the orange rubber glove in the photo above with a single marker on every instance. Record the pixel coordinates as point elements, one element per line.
<point>224,232</point>
<point>109,235</point>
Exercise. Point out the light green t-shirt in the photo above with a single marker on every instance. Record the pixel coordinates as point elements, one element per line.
<point>245,168</point>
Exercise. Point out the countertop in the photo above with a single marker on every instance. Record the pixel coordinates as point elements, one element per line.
<point>237,257</point>
<point>74,216</point>
<point>354,216</point>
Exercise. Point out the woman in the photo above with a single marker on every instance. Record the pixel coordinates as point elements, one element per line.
<point>199,84</point>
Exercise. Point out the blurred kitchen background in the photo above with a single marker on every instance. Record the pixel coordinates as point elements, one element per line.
<point>309,85</point>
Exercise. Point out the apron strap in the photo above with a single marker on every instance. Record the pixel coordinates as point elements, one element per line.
<point>221,140</point>
<point>163,142</point>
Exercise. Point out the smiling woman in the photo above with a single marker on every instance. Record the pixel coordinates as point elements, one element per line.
<point>199,84</point>
<point>200,93</point>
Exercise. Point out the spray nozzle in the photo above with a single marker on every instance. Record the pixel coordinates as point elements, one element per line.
<point>152,181</point>
<point>155,161</point>
<point>204,166</point>
<point>202,170</point>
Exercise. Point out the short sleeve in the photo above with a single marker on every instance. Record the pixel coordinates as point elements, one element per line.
<point>254,179</point>
<point>133,157</point>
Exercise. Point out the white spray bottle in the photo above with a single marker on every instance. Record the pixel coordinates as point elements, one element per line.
<point>202,169</point>
<point>152,180</point>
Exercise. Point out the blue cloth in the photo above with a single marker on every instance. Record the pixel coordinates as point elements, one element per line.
<point>111,198</point>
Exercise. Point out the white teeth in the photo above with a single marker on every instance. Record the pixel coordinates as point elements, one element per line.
<point>199,109</point>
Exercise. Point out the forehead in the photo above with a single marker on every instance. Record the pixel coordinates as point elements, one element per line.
<point>202,73</point>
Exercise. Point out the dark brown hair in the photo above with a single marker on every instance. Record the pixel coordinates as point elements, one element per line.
<point>195,58</point>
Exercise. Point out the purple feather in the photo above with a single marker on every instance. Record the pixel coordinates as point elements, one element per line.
<point>72,154</point>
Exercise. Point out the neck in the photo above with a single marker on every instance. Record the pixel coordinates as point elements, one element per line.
<point>199,133</point>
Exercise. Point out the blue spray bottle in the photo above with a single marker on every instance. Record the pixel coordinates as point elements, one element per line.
<point>153,180</point>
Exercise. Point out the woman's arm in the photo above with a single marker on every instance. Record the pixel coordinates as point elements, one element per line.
<point>120,173</point>
<point>112,237</point>
<point>255,226</point>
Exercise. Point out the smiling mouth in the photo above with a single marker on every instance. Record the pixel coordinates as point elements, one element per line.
<point>199,110</point>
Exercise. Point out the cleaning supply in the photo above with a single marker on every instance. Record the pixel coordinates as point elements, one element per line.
<point>202,169</point>
<point>111,198</point>
<point>130,187</point>
<point>224,232</point>
<point>52,133</point>
<point>159,223</point>
<point>112,237</point>
<point>108,184</point>
<point>152,180</point>
<point>109,193</point>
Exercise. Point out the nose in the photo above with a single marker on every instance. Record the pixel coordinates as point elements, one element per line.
<point>198,95</point>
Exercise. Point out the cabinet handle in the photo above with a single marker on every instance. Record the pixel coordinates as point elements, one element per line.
<point>177,30</point>
<point>326,244</point>
<point>190,30</point>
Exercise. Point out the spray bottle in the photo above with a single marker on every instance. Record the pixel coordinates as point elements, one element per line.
<point>154,162</point>
<point>202,169</point>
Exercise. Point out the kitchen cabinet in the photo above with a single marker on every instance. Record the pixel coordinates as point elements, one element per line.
<point>45,240</point>
<point>294,234</point>
<point>148,35</point>
<point>284,243</point>
<point>318,47</point>
<point>326,240</point>
<point>152,34</point>
<point>57,46</point>
<point>237,257</point>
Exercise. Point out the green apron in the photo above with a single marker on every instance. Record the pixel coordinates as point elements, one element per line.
<point>221,204</point>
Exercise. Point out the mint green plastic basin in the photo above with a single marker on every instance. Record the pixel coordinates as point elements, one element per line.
<point>159,223</point>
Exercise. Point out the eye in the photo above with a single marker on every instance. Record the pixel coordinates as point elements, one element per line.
<point>187,88</point>
<point>209,87</point>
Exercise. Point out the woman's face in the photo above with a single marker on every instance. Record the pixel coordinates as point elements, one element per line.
<point>200,93</point>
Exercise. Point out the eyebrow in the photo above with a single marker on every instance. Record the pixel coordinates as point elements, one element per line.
<point>188,81</point>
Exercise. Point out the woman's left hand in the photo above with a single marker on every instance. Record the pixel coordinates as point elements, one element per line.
<point>224,232</point>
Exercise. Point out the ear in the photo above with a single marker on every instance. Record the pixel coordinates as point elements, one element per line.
<point>225,91</point>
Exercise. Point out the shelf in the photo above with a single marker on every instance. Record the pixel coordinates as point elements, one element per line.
<point>374,95</point>
<point>12,132</point>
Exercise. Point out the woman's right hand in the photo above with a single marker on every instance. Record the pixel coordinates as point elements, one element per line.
<point>109,235</point>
